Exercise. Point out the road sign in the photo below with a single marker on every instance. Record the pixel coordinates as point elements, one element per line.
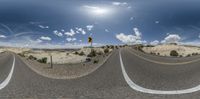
<point>90,39</point>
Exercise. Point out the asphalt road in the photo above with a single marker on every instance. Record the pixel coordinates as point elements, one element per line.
<point>107,82</point>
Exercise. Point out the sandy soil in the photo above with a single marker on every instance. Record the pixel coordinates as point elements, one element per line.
<point>13,49</point>
<point>164,50</point>
<point>60,57</point>
<point>67,71</point>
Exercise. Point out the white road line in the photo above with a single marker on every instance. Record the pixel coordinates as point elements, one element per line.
<point>7,80</point>
<point>164,63</point>
<point>151,91</point>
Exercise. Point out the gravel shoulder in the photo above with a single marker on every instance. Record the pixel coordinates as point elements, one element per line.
<point>66,71</point>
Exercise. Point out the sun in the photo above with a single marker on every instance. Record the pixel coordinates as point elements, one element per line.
<point>97,10</point>
<point>100,11</point>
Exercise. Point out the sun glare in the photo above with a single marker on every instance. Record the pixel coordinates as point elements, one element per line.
<point>100,11</point>
<point>97,10</point>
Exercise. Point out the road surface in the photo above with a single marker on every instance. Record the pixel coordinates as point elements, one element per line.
<point>127,74</point>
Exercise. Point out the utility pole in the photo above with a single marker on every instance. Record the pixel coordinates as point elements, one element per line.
<point>51,63</point>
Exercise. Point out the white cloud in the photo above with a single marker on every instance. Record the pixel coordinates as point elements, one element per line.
<point>119,3</point>
<point>194,43</point>
<point>89,27</point>
<point>106,30</point>
<point>39,41</point>
<point>122,4</point>
<point>3,36</point>
<point>43,27</point>
<point>71,33</point>
<point>62,30</point>
<point>91,7</point>
<point>80,30</point>
<point>171,38</point>
<point>137,32</point>
<point>155,42</point>
<point>70,39</point>
<point>133,39</point>
<point>46,38</point>
<point>131,18</point>
<point>58,33</point>
<point>157,22</point>
<point>199,35</point>
<point>126,38</point>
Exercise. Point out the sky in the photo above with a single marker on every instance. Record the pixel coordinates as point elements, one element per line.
<point>69,23</point>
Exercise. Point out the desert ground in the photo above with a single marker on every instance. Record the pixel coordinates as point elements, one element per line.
<point>67,63</point>
<point>65,56</point>
<point>165,49</point>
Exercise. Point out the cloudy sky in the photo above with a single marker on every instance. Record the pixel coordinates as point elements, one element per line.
<point>68,23</point>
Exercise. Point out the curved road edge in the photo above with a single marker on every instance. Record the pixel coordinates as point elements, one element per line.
<point>7,80</point>
<point>138,88</point>
<point>68,78</point>
<point>164,63</point>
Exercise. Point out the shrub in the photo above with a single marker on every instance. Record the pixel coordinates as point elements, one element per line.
<point>188,55</point>
<point>22,55</point>
<point>181,56</point>
<point>152,53</point>
<point>95,61</point>
<point>173,53</point>
<point>31,57</point>
<point>194,53</point>
<point>88,59</point>
<point>107,46</point>
<point>106,50</point>
<point>92,53</point>
<point>99,53</point>
<point>149,46</point>
<point>43,60</point>
<point>112,47</point>
<point>81,53</point>
<point>102,47</point>
<point>76,53</point>
<point>158,53</point>
<point>116,47</point>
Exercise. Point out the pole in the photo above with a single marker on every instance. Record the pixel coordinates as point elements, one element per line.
<point>91,44</point>
<point>51,61</point>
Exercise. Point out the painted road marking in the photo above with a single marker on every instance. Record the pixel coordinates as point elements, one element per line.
<point>7,80</point>
<point>151,91</point>
<point>164,63</point>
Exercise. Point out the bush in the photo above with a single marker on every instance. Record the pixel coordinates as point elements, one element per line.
<point>22,55</point>
<point>173,53</point>
<point>43,60</point>
<point>99,53</point>
<point>81,53</point>
<point>95,61</point>
<point>76,53</point>
<point>188,55</point>
<point>153,53</point>
<point>158,53</point>
<point>102,47</point>
<point>88,59</point>
<point>106,50</point>
<point>31,57</point>
<point>92,53</point>
<point>149,46</point>
<point>181,56</point>
<point>112,47</point>
<point>194,53</point>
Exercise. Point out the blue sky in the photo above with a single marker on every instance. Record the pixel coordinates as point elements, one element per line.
<point>68,23</point>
